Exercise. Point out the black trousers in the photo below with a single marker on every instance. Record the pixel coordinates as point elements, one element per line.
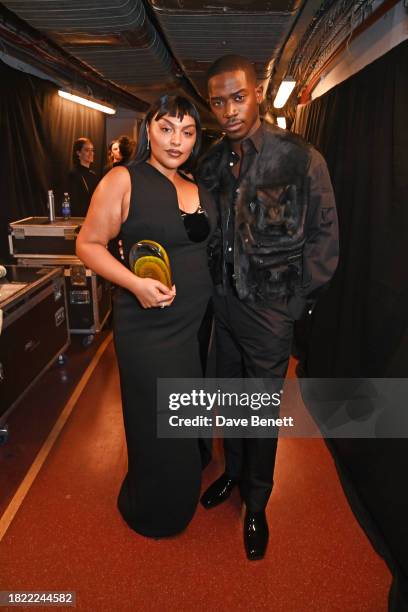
<point>251,342</point>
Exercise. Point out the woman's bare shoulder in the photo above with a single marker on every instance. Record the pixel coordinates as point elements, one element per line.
<point>118,173</point>
<point>117,179</point>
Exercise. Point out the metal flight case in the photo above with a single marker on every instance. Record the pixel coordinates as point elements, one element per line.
<point>38,236</point>
<point>37,241</point>
<point>34,330</point>
<point>89,296</point>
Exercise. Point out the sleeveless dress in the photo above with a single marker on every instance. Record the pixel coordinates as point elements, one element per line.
<point>160,492</point>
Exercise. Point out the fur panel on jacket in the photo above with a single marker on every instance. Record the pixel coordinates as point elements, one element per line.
<point>271,212</point>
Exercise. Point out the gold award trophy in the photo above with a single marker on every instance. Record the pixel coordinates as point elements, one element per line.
<point>148,259</point>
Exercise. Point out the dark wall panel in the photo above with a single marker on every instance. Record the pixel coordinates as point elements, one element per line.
<point>37,129</point>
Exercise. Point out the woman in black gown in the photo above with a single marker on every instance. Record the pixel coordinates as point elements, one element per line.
<point>156,328</point>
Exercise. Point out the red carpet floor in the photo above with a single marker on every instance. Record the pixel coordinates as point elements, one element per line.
<point>68,535</point>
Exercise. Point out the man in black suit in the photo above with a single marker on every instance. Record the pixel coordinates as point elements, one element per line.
<point>272,189</point>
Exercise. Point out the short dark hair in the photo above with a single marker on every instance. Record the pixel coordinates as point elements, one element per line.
<point>229,63</point>
<point>175,106</point>
<point>77,146</point>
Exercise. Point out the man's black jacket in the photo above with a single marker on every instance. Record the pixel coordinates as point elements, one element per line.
<point>285,221</point>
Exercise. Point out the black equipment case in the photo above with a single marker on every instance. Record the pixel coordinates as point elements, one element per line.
<point>35,241</point>
<point>89,296</point>
<point>40,236</point>
<point>34,329</point>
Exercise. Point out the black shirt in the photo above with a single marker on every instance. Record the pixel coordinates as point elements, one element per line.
<point>250,147</point>
<point>82,183</point>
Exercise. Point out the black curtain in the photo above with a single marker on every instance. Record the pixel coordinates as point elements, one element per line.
<point>37,129</point>
<point>361,126</point>
<point>360,325</point>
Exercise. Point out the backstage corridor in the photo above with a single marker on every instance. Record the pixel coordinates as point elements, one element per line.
<point>60,530</point>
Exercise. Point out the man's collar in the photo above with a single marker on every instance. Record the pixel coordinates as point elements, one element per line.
<point>255,140</point>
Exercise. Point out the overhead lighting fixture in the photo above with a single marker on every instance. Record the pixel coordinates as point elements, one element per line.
<point>284,91</point>
<point>86,102</point>
<point>281,122</point>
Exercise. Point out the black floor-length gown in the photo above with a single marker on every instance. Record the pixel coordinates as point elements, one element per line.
<point>160,492</point>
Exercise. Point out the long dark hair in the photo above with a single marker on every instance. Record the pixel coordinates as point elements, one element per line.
<point>126,148</point>
<point>175,106</point>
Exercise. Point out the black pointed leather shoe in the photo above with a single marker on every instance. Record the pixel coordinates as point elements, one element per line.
<point>218,491</point>
<point>256,535</point>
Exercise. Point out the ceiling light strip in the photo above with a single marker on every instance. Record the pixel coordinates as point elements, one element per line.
<point>85,102</point>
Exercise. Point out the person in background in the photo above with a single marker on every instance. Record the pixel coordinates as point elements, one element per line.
<point>120,151</point>
<point>82,181</point>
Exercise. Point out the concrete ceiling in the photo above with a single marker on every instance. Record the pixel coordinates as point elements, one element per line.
<point>145,47</point>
